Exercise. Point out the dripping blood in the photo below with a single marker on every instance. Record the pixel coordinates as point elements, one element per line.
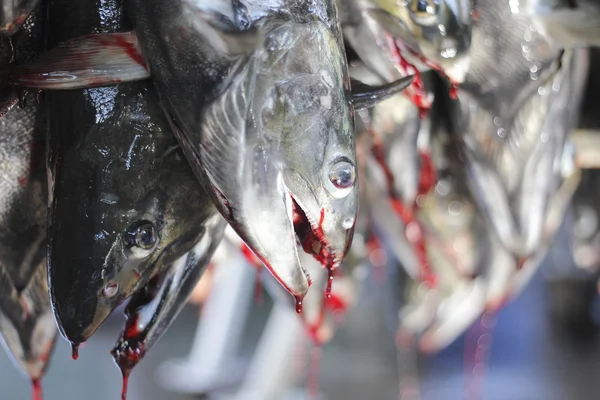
<point>74,351</point>
<point>36,386</point>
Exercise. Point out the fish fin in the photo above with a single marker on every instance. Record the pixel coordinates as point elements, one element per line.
<point>86,61</point>
<point>394,26</point>
<point>221,38</point>
<point>572,28</point>
<point>366,96</point>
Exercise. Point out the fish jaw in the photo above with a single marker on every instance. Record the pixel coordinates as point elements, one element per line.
<point>323,225</point>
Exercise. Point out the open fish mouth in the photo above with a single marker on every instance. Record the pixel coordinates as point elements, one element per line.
<point>311,237</point>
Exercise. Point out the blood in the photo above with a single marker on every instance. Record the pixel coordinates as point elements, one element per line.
<point>255,262</point>
<point>36,386</point>
<point>427,174</point>
<point>330,272</point>
<point>75,351</point>
<point>126,41</point>
<point>125,384</point>
<point>417,93</point>
<point>414,228</point>
<point>299,300</point>
<point>131,330</point>
<point>313,241</point>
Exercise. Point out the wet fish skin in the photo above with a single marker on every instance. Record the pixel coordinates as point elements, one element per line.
<point>241,124</point>
<point>13,13</point>
<point>567,23</point>
<point>124,203</point>
<point>22,179</point>
<point>27,326</point>
<point>515,113</point>
<point>153,308</point>
<point>440,31</point>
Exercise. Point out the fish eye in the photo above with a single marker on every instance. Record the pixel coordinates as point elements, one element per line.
<point>341,178</point>
<point>424,11</point>
<point>141,234</point>
<point>110,289</point>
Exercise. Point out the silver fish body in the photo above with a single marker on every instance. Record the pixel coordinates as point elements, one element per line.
<point>516,109</point>
<point>270,133</point>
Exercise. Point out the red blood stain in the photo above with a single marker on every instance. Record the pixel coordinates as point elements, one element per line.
<point>125,384</point>
<point>255,262</point>
<point>453,91</point>
<point>299,300</point>
<point>427,174</point>
<point>127,42</point>
<point>36,386</point>
<point>406,214</point>
<point>74,351</point>
<point>417,93</point>
<point>313,241</point>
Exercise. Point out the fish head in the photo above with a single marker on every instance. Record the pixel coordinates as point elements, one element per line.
<point>13,13</point>
<point>125,205</point>
<point>435,31</point>
<point>305,128</point>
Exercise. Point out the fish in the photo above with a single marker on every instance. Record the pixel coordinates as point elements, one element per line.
<point>436,34</point>
<point>514,111</point>
<point>14,13</point>
<point>266,125</point>
<point>27,327</point>
<point>570,24</point>
<point>153,308</point>
<point>123,203</point>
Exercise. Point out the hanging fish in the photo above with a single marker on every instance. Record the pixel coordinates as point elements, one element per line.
<point>433,34</point>
<point>124,203</point>
<point>516,108</point>
<point>27,327</point>
<point>265,121</point>
<point>152,309</point>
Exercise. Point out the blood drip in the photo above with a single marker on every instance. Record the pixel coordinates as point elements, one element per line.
<point>299,300</point>
<point>406,214</point>
<point>330,272</point>
<point>125,384</point>
<point>75,351</point>
<point>255,262</point>
<point>36,386</point>
<point>313,241</point>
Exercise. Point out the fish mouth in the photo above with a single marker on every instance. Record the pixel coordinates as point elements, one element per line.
<point>311,237</point>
